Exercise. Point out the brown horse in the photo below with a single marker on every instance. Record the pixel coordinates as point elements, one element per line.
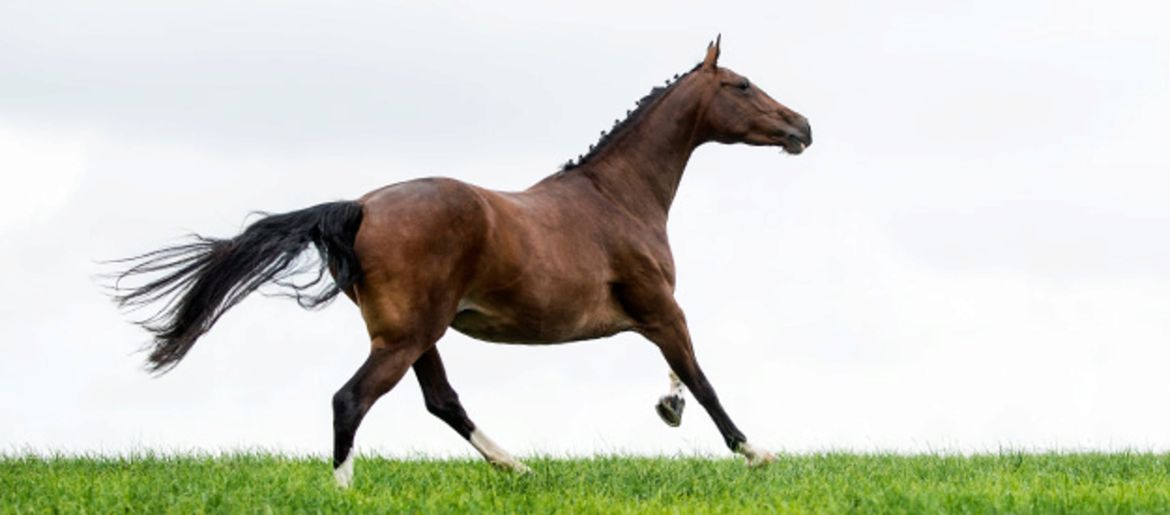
<point>582,254</point>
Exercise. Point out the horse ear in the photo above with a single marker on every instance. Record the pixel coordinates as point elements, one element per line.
<point>711,61</point>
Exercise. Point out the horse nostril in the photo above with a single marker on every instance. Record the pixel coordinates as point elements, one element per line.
<point>801,131</point>
<point>805,129</point>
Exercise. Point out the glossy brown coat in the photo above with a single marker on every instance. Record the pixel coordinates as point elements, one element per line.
<point>582,254</point>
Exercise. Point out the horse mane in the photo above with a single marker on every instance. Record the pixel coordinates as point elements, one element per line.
<point>620,126</point>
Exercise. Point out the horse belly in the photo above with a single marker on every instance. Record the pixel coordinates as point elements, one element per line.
<point>531,325</point>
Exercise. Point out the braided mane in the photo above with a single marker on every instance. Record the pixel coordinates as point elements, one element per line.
<point>619,126</point>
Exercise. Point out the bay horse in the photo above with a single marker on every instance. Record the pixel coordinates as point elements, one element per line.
<point>582,254</point>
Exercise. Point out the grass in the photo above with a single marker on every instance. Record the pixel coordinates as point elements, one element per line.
<point>821,483</point>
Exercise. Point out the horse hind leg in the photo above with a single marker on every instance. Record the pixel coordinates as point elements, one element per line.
<point>442,401</point>
<point>385,366</point>
<point>670,406</point>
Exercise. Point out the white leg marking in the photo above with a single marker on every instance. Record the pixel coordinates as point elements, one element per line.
<point>494,454</point>
<point>344,473</point>
<point>676,386</point>
<point>755,457</point>
<point>670,406</point>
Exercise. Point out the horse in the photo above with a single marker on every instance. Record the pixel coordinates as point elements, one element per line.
<point>582,254</point>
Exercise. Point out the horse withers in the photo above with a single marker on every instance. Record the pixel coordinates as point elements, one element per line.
<point>582,254</point>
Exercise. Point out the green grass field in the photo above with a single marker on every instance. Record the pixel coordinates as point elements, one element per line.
<point>822,483</point>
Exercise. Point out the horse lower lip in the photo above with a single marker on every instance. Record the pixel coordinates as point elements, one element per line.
<point>793,140</point>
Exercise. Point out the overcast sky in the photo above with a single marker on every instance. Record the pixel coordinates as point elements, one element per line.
<point>972,256</point>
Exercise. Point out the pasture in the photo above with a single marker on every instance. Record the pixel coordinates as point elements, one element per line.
<point>816,483</point>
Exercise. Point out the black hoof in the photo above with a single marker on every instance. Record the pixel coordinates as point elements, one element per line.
<point>670,409</point>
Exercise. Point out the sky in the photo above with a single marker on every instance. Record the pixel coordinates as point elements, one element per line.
<point>971,257</point>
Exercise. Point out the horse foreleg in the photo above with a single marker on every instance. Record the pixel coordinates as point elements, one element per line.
<point>670,406</point>
<point>443,402</point>
<point>667,328</point>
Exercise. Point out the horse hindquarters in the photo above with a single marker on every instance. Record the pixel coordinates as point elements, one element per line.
<point>418,247</point>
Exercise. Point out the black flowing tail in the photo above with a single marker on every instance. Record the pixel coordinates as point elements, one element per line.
<point>203,279</point>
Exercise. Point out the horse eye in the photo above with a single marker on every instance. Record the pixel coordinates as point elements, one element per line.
<point>743,86</point>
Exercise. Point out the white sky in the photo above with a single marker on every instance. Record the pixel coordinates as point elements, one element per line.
<point>972,256</point>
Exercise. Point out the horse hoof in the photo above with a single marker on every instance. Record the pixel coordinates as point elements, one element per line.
<point>342,480</point>
<point>343,474</point>
<point>670,409</point>
<point>755,457</point>
<point>514,467</point>
<point>761,459</point>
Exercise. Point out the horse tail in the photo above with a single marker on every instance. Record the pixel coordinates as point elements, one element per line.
<point>198,281</point>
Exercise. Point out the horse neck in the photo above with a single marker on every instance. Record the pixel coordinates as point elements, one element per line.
<point>643,167</point>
